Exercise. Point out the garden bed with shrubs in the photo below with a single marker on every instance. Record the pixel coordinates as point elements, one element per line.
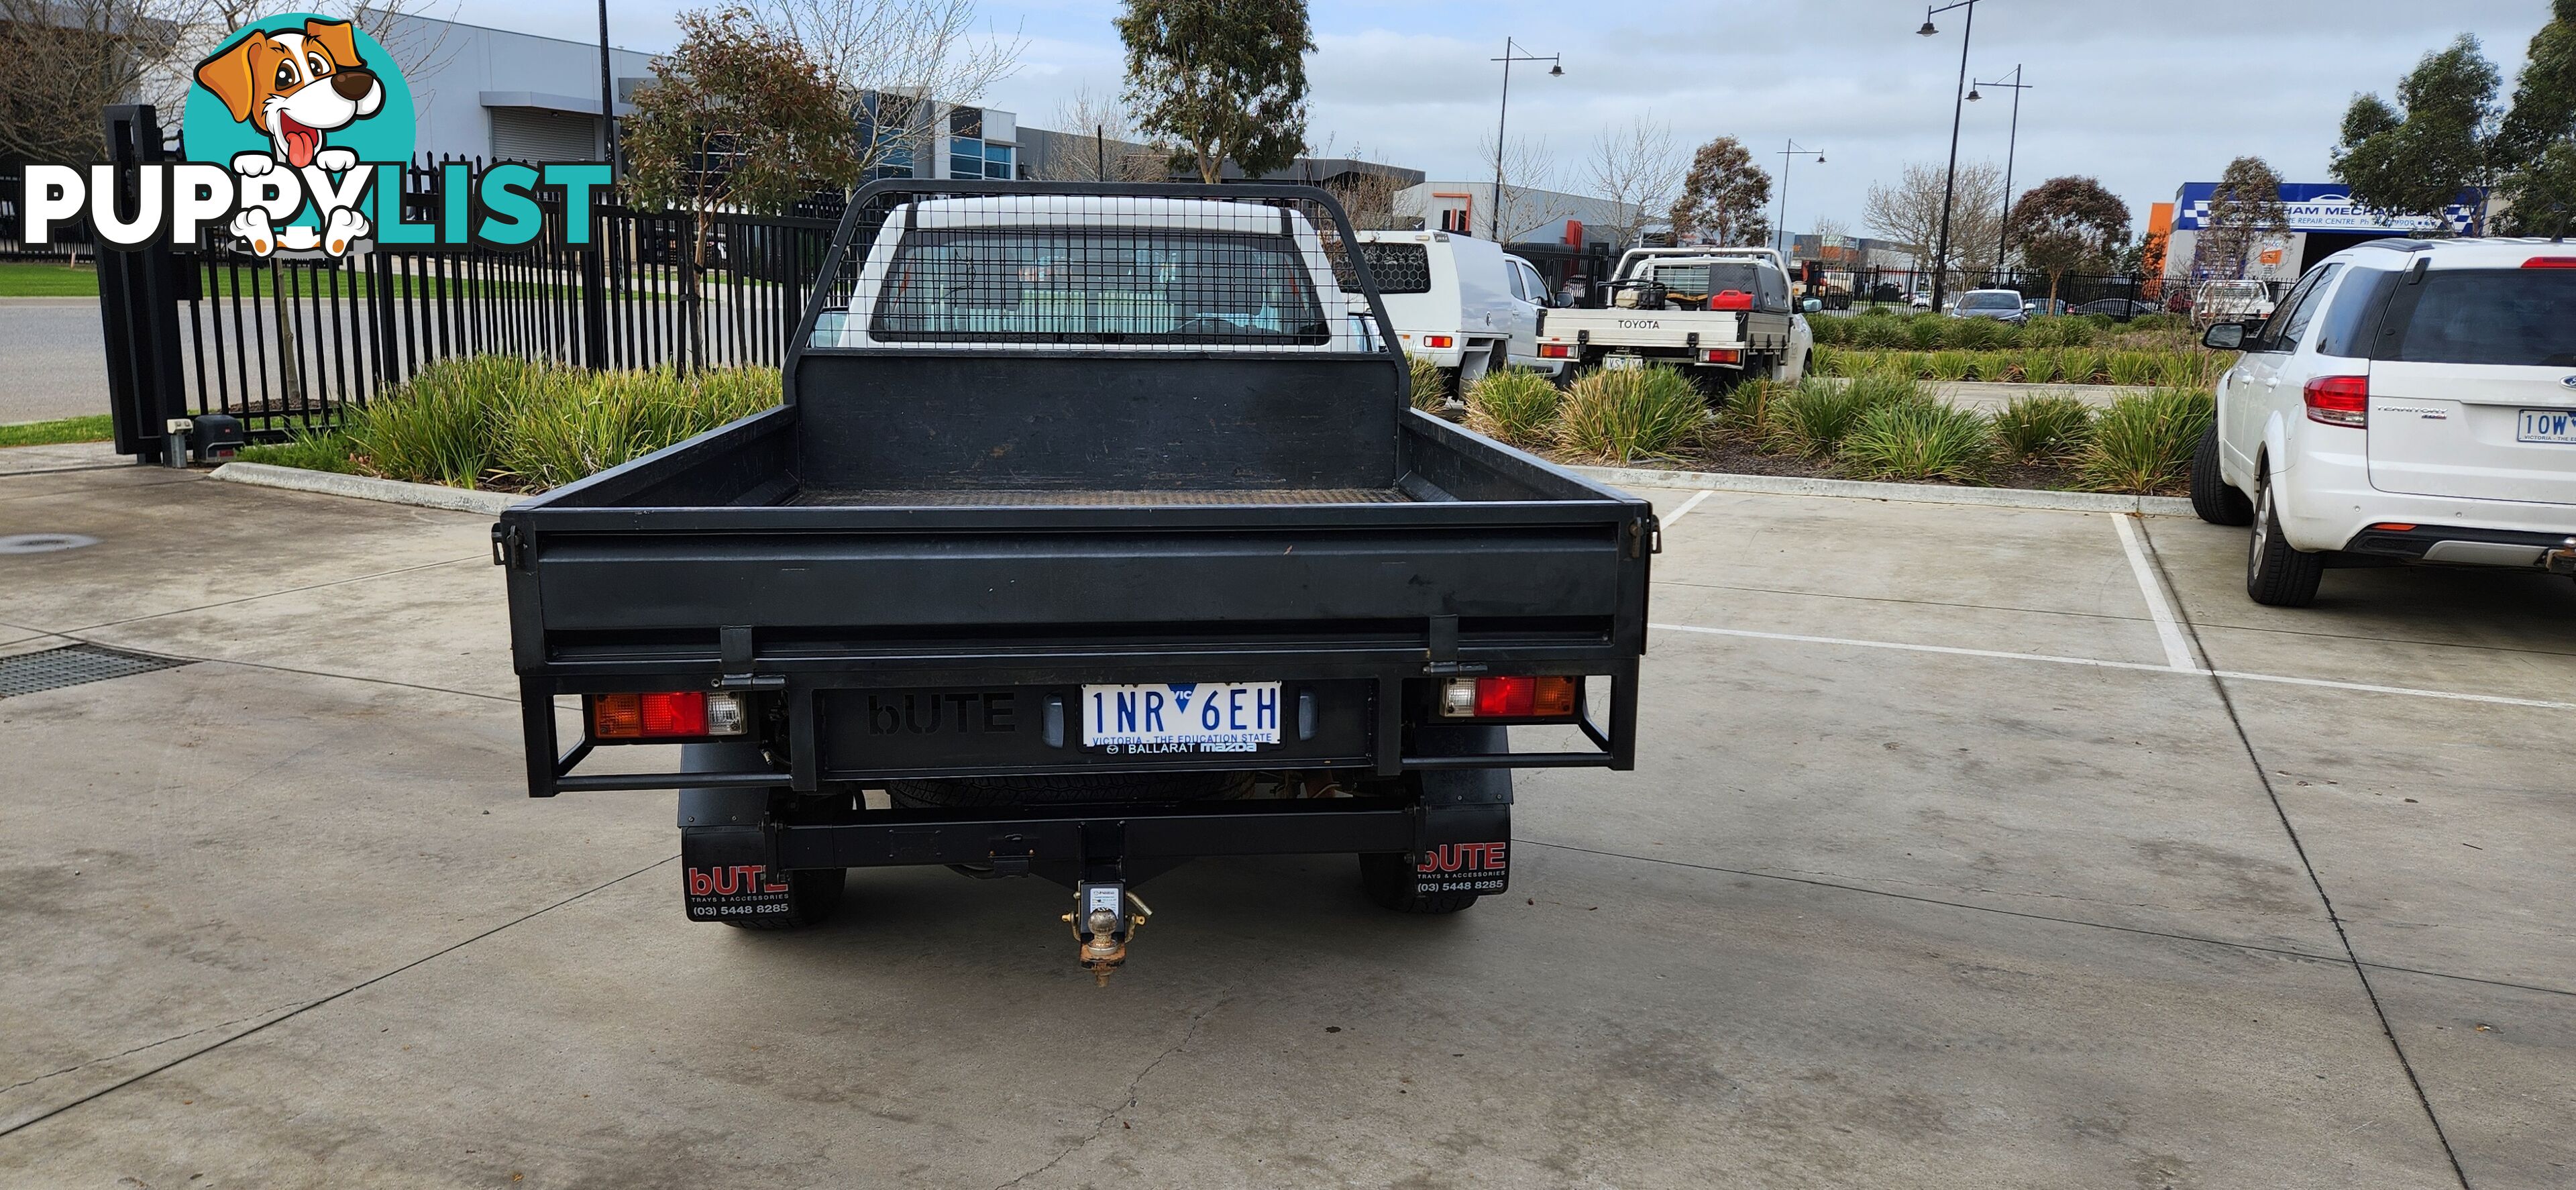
<point>2157,351</point>
<point>516,425</point>
<point>1878,427</point>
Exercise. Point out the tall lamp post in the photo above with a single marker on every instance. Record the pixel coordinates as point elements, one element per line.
<point>1511,54</point>
<point>1787,155</point>
<point>607,96</point>
<point>2003,238</point>
<point>1958,107</point>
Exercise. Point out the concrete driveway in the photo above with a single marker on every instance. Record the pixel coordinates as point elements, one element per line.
<point>1968,847</point>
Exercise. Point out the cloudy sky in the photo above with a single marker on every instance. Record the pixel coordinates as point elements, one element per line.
<point>2142,96</point>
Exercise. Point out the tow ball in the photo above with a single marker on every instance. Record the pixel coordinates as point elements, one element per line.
<point>1102,931</point>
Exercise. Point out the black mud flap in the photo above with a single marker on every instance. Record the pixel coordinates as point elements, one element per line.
<point>1466,815</point>
<point>728,873</point>
<point>1465,849</point>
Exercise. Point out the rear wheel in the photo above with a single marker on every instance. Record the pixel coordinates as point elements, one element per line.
<point>1391,881</point>
<point>2211,497</point>
<point>813,895</point>
<point>2277,575</point>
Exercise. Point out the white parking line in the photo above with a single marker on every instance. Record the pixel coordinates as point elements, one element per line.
<point>1687,505</point>
<point>2168,629</point>
<point>2185,670</point>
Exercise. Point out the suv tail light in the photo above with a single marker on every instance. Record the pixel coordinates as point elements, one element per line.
<point>1508,698</point>
<point>2338,400</point>
<point>2550,262</point>
<point>667,715</point>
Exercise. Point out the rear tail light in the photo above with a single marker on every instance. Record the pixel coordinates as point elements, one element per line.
<point>2550,262</point>
<point>2338,400</point>
<point>1721,355</point>
<point>2394,527</point>
<point>1508,698</point>
<point>1438,342</point>
<point>1556,351</point>
<point>667,715</point>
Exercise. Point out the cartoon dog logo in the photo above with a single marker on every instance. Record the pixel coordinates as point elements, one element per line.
<point>296,87</point>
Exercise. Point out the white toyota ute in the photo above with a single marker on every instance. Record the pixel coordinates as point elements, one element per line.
<point>2410,401</point>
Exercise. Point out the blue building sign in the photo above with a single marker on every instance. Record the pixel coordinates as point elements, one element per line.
<point>2326,206</point>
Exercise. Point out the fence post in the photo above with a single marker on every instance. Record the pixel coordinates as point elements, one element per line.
<point>594,294</point>
<point>138,304</point>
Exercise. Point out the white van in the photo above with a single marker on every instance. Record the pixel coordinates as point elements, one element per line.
<point>1461,302</point>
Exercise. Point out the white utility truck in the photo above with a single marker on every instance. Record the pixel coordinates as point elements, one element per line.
<point>1460,302</point>
<point>1725,310</point>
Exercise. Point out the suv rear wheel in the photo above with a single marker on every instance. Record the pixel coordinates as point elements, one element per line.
<point>2211,497</point>
<point>2277,575</point>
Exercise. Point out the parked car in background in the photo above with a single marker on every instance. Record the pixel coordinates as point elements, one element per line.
<point>1922,300</point>
<point>2410,402</point>
<point>1725,314</point>
<point>2002,305</point>
<point>1835,297</point>
<point>2231,301</point>
<point>1460,302</point>
<point>2122,308</point>
<point>1886,291</point>
<point>2040,306</point>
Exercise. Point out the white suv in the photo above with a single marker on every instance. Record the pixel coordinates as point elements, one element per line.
<point>2409,401</point>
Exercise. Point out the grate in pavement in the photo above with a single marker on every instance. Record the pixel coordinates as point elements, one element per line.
<point>73,665</point>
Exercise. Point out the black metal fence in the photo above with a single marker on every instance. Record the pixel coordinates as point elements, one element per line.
<point>292,342</point>
<point>2164,294</point>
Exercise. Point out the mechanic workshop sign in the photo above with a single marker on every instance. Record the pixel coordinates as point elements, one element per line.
<point>2325,206</point>
<point>297,130</point>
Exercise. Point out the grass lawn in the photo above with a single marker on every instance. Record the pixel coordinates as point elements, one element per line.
<point>94,428</point>
<point>40,278</point>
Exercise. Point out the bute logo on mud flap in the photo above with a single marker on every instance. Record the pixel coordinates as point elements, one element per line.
<point>1465,867</point>
<point>298,128</point>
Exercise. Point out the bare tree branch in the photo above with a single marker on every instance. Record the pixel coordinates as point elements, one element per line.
<point>1527,204</point>
<point>916,49</point>
<point>1639,170</point>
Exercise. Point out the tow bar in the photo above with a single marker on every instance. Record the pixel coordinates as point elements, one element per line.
<point>1103,934</point>
<point>2561,560</point>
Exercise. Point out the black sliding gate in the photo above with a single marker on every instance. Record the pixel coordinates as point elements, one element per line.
<point>290,343</point>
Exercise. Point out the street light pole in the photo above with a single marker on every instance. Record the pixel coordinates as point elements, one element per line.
<point>607,94</point>
<point>1556,69</point>
<point>1958,107</point>
<point>2003,238</point>
<point>1786,156</point>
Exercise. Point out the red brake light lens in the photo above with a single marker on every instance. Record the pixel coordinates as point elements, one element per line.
<point>2338,400</point>
<point>1556,351</point>
<point>2550,262</point>
<point>1501,697</point>
<point>1721,355</point>
<point>1438,341</point>
<point>682,712</point>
